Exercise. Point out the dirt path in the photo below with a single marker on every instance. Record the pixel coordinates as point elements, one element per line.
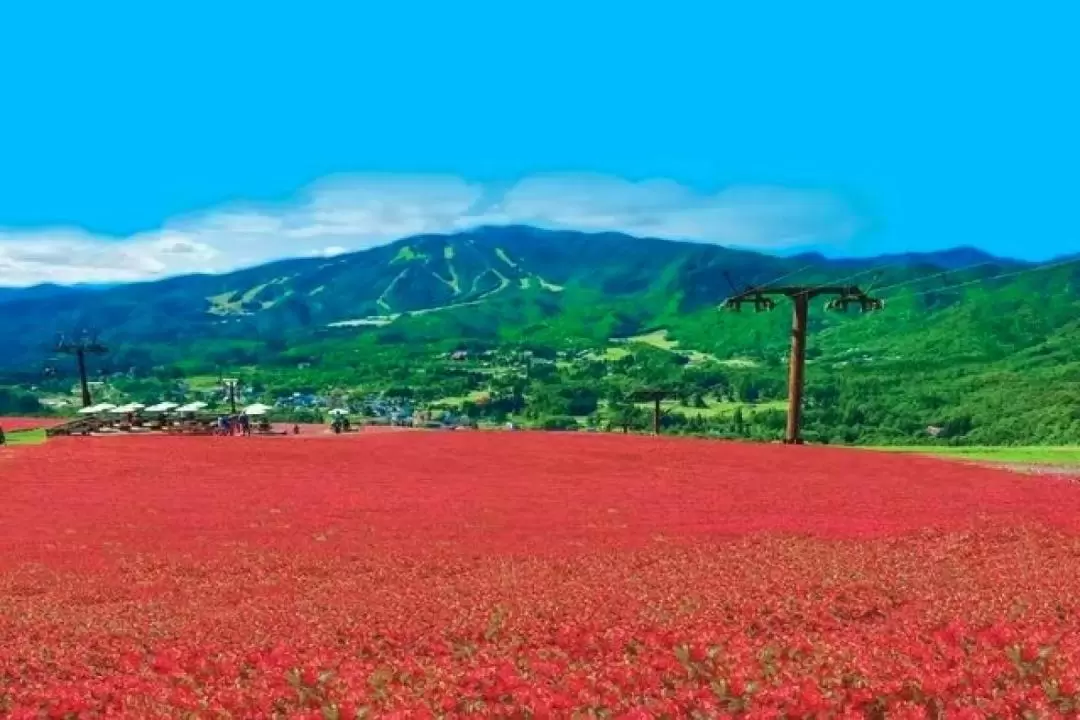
<point>1072,471</point>
<point>322,431</point>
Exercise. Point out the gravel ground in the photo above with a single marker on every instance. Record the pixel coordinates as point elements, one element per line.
<point>1072,471</point>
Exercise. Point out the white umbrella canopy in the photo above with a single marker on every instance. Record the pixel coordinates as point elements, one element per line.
<point>191,407</point>
<point>162,407</point>
<point>129,408</point>
<point>257,409</point>
<point>95,409</point>
<point>338,411</point>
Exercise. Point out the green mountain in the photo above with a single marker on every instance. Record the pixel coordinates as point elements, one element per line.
<point>985,348</point>
<point>519,274</point>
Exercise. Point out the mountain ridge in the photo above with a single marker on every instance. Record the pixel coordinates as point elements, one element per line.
<point>946,258</point>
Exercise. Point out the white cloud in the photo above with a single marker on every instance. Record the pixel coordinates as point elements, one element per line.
<point>357,212</point>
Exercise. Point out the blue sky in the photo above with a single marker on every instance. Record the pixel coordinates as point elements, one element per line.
<point>137,140</point>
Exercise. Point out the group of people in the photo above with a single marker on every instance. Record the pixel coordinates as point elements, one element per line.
<point>229,425</point>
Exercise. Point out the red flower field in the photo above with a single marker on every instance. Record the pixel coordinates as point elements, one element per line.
<point>529,575</point>
<point>19,423</point>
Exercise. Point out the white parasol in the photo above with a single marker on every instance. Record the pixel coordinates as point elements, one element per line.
<point>257,409</point>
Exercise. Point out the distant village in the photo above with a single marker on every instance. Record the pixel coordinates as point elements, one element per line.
<point>318,407</point>
<point>374,409</point>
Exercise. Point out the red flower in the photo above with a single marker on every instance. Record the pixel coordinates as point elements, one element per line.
<point>418,575</point>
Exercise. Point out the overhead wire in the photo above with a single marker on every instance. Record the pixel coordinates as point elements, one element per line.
<point>877,270</point>
<point>865,271</point>
<point>894,286</point>
<point>967,283</point>
<point>755,288</point>
<point>915,281</point>
<point>778,279</point>
<point>911,281</point>
<point>955,271</point>
<point>1014,273</point>
<point>943,273</point>
<point>848,278</point>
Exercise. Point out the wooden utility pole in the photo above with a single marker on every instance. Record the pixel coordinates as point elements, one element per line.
<point>80,348</point>
<point>762,299</point>
<point>230,392</point>
<point>654,395</point>
<point>797,367</point>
